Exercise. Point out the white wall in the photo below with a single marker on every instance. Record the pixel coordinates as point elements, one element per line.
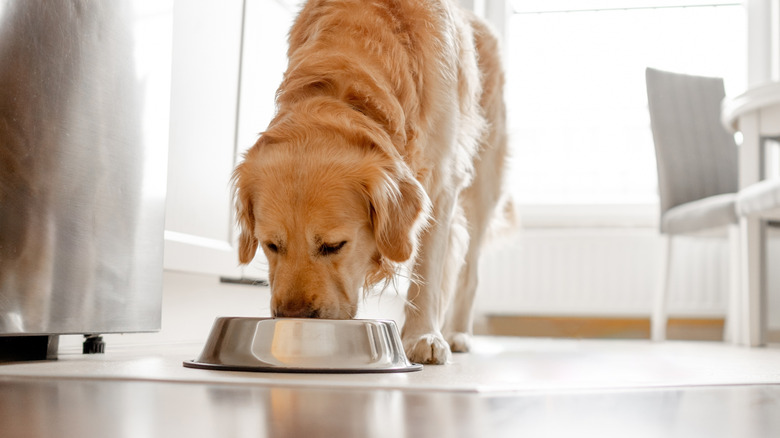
<point>763,41</point>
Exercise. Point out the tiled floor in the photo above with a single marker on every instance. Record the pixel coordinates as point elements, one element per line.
<point>507,387</point>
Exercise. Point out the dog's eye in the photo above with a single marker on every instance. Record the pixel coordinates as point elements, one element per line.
<point>272,247</point>
<point>327,249</point>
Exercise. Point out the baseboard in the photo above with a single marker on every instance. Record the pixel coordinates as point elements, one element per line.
<point>700,329</point>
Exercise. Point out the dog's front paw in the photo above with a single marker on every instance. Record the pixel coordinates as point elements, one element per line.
<point>459,342</point>
<point>429,348</point>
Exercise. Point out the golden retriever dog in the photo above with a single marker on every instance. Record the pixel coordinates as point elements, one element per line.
<point>387,150</point>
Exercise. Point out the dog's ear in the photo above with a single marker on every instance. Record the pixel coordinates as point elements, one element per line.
<point>245,216</point>
<point>400,209</point>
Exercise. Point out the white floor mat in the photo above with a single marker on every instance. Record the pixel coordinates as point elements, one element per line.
<point>498,364</point>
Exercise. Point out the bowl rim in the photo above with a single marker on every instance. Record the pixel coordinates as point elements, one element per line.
<point>223,367</point>
<point>222,321</point>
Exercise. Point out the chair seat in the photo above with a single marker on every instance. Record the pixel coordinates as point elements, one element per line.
<point>760,199</point>
<point>711,212</point>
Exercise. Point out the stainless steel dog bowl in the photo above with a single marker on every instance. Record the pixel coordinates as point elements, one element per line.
<point>304,346</point>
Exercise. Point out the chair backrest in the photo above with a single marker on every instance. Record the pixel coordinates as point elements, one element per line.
<point>695,156</point>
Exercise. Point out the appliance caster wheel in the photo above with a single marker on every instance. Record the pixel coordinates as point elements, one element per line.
<point>93,344</point>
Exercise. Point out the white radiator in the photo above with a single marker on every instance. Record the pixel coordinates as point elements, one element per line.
<point>600,272</point>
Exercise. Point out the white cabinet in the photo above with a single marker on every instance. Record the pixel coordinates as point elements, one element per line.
<point>228,59</point>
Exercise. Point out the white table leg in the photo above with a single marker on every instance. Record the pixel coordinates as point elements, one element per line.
<point>751,238</point>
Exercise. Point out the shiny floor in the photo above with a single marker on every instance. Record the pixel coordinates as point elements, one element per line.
<point>507,387</point>
<point>94,408</point>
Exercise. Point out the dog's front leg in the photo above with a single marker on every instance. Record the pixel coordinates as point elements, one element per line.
<point>428,296</point>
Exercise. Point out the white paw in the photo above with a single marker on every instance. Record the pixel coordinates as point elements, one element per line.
<point>429,348</point>
<point>459,342</point>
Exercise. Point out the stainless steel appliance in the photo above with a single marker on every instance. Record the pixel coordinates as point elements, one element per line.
<point>84,100</point>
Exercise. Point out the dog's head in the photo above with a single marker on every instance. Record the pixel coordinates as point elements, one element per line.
<point>333,209</point>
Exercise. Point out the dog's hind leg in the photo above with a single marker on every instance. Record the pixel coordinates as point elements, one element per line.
<point>479,202</point>
<point>460,318</point>
<point>480,199</point>
<point>455,265</point>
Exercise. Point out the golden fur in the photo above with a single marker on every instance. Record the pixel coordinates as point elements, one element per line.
<point>388,147</point>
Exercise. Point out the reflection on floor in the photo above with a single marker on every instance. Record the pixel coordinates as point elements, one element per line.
<point>95,408</point>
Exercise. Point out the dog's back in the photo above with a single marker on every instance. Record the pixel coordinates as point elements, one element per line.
<point>407,64</point>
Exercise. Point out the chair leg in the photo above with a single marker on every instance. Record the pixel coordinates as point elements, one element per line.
<point>659,317</point>
<point>753,290</point>
<point>733,324</point>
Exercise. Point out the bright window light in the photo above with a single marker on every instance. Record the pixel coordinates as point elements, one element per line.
<point>579,124</point>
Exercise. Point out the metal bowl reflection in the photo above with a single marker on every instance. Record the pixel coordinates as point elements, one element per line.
<point>304,346</point>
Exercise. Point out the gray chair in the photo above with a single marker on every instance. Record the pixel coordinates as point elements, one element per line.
<point>697,175</point>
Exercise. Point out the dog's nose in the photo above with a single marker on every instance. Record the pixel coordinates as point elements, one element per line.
<point>297,313</point>
<point>291,309</point>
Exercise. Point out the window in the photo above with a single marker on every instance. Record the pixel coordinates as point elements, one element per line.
<point>579,125</point>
